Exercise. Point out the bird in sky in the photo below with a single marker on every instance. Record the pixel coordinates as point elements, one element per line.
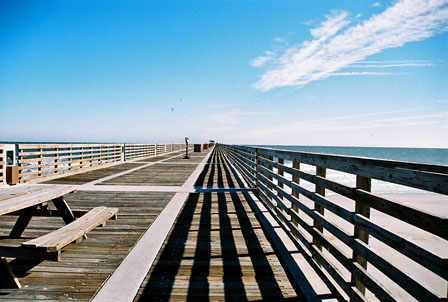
<point>172,109</point>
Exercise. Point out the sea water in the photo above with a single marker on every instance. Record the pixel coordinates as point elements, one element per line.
<point>419,155</point>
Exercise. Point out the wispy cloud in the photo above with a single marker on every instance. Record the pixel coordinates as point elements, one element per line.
<point>332,50</point>
<point>260,61</point>
<point>234,117</point>
<point>442,101</point>
<point>376,4</point>
<point>371,120</point>
<point>363,73</point>
<point>390,65</point>
<point>229,105</point>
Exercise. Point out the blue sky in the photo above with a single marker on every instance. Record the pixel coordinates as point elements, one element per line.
<point>350,73</point>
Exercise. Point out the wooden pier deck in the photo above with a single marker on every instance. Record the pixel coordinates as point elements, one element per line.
<point>215,250</point>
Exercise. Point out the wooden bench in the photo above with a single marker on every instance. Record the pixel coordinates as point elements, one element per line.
<point>51,244</point>
<point>33,200</point>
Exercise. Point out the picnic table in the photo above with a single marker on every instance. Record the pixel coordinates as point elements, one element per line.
<point>33,200</point>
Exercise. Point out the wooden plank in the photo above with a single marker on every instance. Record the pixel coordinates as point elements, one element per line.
<point>360,219</point>
<point>75,230</point>
<point>317,207</point>
<point>9,279</point>
<point>295,193</point>
<point>17,203</point>
<point>362,183</point>
<point>406,282</point>
<point>316,253</point>
<point>2,166</point>
<point>63,208</point>
<point>402,245</point>
<point>427,177</point>
<point>419,218</point>
<point>22,222</point>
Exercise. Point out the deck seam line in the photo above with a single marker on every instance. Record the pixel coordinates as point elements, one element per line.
<point>125,281</point>
<point>94,182</point>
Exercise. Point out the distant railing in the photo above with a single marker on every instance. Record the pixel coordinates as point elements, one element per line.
<point>135,151</point>
<point>39,161</point>
<point>2,166</point>
<point>280,188</point>
<point>42,160</point>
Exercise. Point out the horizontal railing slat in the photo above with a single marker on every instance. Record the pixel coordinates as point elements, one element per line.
<point>269,176</point>
<point>411,250</point>
<point>429,181</point>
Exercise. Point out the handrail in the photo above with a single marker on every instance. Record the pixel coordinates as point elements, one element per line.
<point>284,197</point>
<point>39,161</point>
<point>2,166</point>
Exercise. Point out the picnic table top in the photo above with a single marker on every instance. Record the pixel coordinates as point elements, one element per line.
<point>21,197</point>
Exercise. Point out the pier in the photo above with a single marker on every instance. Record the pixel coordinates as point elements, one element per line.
<point>231,223</point>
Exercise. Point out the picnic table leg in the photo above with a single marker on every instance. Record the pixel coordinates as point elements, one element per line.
<point>66,212</point>
<point>7,276</point>
<point>22,222</point>
<point>63,208</point>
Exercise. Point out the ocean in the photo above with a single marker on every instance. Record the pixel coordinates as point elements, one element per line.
<point>420,155</point>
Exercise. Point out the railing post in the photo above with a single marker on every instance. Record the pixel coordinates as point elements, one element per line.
<point>256,169</point>
<point>20,163</point>
<point>280,172</point>
<point>320,171</point>
<point>295,193</point>
<point>56,160</point>
<point>69,164</point>
<point>39,162</point>
<point>363,183</point>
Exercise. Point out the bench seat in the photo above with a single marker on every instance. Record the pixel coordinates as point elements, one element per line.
<point>53,242</point>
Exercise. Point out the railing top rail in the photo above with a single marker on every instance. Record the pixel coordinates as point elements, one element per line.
<point>435,168</point>
<point>428,177</point>
<point>62,145</point>
<point>295,202</point>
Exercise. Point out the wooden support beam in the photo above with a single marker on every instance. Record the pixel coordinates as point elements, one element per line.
<point>22,222</point>
<point>295,193</point>
<point>63,208</point>
<point>7,277</point>
<point>322,172</point>
<point>363,183</point>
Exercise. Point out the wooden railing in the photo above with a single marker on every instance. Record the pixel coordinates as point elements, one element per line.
<point>2,166</point>
<point>38,161</point>
<point>136,151</point>
<point>303,212</point>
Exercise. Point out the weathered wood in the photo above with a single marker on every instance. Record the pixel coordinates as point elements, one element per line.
<point>362,183</point>
<point>14,203</point>
<point>2,166</point>
<point>427,177</point>
<point>296,179</point>
<point>418,218</point>
<point>317,207</point>
<point>409,284</point>
<point>7,276</point>
<point>411,250</point>
<point>22,222</point>
<point>63,208</point>
<point>52,159</point>
<point>73,231</point>
<point>316,253</point>
<point>422,176</point>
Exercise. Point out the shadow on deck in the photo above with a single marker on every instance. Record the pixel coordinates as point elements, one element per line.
<point>217,249</point>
